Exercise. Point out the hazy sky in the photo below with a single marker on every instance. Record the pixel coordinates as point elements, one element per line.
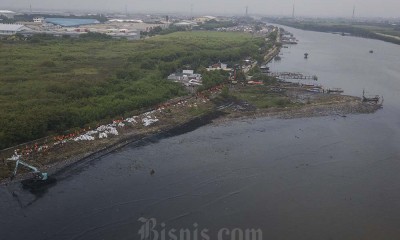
<point>342,8</point>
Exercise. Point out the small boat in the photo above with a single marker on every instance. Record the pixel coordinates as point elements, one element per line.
<point>371,51</point>
<point>305,55</point>
<point>371,99</point>
<point>334,90</point>
<point>374,99</point>
<point>315,90</point>
<point>264,69</point>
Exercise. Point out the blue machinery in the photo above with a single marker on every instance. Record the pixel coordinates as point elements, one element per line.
<point>38,174</point>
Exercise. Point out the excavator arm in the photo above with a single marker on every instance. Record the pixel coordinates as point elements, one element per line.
<point>38,174</point>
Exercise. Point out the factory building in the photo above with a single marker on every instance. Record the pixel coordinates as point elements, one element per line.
<point>11,29</point>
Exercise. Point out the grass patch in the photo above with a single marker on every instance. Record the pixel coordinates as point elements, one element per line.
<point>85,71</point>
<point>261,98</point>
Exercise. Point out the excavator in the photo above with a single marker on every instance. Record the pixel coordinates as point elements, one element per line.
<point>39,179</point>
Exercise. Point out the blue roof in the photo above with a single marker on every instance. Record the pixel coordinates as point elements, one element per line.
<point>70,22</point>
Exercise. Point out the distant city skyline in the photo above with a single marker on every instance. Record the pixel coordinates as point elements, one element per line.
<point>318,8</point>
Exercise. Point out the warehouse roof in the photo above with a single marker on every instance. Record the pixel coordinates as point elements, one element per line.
<point>11,27</point>
<point>71,22</point>
<point>6,11</point>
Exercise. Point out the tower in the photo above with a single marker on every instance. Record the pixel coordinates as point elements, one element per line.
<point>293,10</point>
<point>354,12</point>
<point>247,11</point>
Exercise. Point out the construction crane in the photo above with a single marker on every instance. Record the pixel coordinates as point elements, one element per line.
<point>38,174</point>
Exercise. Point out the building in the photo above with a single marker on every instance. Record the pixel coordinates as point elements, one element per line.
<point>38,20</point>
<point>185,23</point>
<point>219,66</point>
<point>70,22</point>
<point>11,29</point>
<point>187,78</point>
<point>204,19</point>
<point>7,13</point>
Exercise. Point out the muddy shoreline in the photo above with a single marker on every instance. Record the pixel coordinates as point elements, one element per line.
<point>178,121</point>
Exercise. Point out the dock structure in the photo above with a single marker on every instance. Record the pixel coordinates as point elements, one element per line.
<point>290,75</point>
<point>374,99</point>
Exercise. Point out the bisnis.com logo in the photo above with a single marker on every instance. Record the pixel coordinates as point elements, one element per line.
<point>151,231</point>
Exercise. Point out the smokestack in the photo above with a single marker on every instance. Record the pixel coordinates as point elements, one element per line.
<point>247,11</point>
<point>354,12</point>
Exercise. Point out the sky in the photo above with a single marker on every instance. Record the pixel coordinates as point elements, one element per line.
<point>318,8</point>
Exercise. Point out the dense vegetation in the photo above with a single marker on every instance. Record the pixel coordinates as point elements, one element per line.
<point>51,85</point>
<point>213,78</point>
<point>160,31</point>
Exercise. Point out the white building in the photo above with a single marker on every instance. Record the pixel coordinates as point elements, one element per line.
<point>38,20</point>
<point>187,78</point>
<point>219,66</point>
<point>11,29</point>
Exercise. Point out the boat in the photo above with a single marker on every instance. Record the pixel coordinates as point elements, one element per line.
<point>374,99</point>
<point>371,99</point>
<point>315,89</point>
<point>334,90</point>
<point>371,51</point>
<point>264,69</point>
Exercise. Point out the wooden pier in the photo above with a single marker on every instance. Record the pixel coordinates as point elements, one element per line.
<point>289,75</point>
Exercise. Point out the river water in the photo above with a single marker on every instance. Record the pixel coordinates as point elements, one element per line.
<point>317,178</point>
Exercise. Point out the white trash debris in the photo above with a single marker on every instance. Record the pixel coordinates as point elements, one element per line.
<point>131,120</point>
<point>84,137</point>
<point>149,121</point>
<point>112,131</point>
<point>103,135</point>
<point>91,132</point>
